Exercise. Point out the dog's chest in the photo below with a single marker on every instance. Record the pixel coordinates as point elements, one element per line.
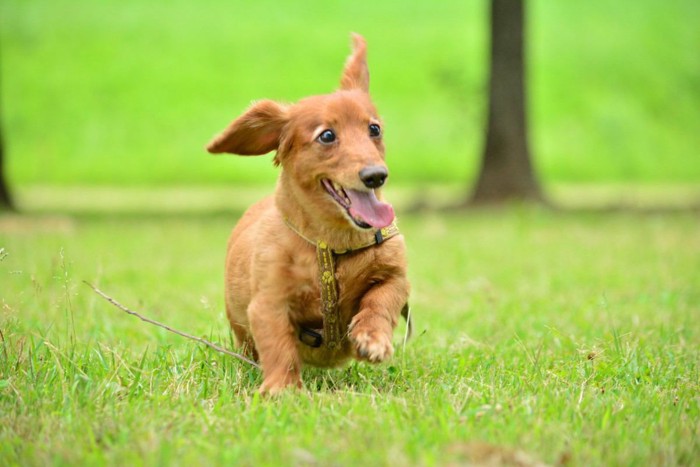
<point>354,276</point>
<point>304,293</point>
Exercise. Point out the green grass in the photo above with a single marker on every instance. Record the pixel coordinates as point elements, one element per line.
<point>568,336</point>
<point>128,92</point>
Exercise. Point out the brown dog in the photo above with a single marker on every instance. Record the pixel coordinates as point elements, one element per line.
<point>317,272</point>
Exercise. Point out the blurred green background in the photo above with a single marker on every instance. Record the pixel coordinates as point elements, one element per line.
<point>128,92</point>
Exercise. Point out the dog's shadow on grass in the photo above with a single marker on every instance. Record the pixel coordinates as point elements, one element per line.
<point>352,378</point>
<point>356,377</point>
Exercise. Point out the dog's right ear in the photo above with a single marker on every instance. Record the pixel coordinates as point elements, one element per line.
<point>257,131</point>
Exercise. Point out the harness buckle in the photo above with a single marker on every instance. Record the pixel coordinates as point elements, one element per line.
<point>310,337</point>
<point>378,237</point>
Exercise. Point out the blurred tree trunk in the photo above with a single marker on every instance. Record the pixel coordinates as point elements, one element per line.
<point>506,170</point>
<point>5,198</point>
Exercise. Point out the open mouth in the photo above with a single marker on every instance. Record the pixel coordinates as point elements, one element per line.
<point>363,207</point>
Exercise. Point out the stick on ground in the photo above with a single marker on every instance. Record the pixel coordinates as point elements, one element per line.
<point>168,328</point>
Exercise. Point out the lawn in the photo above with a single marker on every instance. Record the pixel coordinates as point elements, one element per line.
<point>558,336</point>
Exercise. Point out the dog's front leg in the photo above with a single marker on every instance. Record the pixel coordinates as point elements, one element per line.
<point>276,344</point>
<point>372,327</point>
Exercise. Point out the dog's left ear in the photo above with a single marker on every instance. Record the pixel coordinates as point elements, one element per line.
<point>257,131</point>
<point>356,73</point>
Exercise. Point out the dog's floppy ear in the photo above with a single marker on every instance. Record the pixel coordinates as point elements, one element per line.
<point>257,131</point>
<point>356,73</point>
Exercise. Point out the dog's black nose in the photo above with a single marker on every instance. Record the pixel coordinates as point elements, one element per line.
<point>373,176</point>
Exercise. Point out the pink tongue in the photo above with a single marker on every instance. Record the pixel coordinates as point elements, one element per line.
<point>367,207</point>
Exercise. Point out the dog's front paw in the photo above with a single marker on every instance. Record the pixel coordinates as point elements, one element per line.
<point>372,345</point>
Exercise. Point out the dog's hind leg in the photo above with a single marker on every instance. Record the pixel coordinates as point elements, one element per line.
<point>244,340</point>
<point>241,329</point>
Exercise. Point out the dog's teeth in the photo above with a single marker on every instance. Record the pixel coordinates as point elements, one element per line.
<point>337,188</point>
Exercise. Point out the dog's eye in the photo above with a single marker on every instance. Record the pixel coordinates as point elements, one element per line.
<point>374,130</point>
<point>326,137</point>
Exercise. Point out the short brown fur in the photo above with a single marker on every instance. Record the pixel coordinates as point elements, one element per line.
<point>272,274</point>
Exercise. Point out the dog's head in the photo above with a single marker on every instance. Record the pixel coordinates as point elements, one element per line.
<point>330,146</point>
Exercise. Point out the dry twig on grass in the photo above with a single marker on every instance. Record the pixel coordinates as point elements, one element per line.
<point>168,328</point>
